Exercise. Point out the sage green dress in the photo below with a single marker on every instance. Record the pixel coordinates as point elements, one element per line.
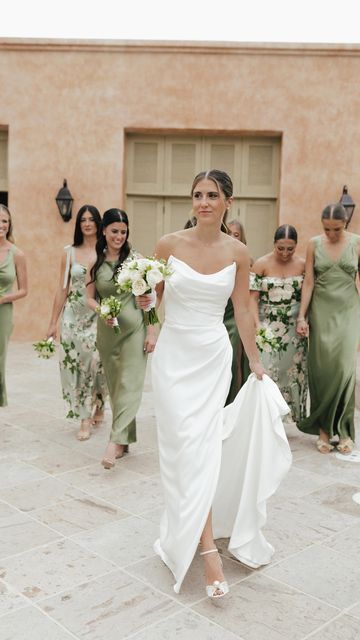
<point>123,357</point>
<point>334,319</point>
<point>7,278</point>
<point>82,376</point>
<point>239,366</point>
<point>279,304</point>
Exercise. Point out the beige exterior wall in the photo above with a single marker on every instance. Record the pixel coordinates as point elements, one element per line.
<point>68,106</point>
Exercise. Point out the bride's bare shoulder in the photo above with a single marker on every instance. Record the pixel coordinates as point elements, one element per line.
<point>168,243</point>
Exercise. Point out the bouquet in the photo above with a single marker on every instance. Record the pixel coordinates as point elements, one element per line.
<point>267,341</point>
<point>140,276</point>
<point>110,308</point>
<point>45,348</point>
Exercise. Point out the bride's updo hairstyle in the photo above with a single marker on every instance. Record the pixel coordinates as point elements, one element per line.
<point>110,216</point>
<point>223,183</point>
<point>334,212</point>
<point>286,232</point>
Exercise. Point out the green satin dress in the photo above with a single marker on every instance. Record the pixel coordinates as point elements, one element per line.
<point>334,319</point>
<point>7,278</point>
<point>240,365</point>
<point>122,356</point>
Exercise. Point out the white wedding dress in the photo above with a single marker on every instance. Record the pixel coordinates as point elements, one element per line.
<point>231,460</point>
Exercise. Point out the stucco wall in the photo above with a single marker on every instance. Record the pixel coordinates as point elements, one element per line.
<point>68,104</point>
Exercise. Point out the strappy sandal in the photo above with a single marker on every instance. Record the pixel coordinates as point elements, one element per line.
<point>217,589</point>
<point>345,446</point>
<point>323,446</point>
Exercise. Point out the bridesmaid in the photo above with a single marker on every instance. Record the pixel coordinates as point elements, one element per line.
<point>12,267</point>
<point>240,368</point>
<point>123,354</point>
<point>331,300</point>
<point>82,378</point>
<point>275,284</point>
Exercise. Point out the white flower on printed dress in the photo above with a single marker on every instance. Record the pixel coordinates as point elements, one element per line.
<point>139,287</point>
<point>275,294</point>
<point>286,294</point>
<point>268,333</point>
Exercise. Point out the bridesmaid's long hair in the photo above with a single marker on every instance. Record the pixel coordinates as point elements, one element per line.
<point>223,183</point>
<point>78,234</point>
<point>110,216</point>
<point>9,235</point>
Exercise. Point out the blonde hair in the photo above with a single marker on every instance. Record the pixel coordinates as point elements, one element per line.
<point>9,235</point>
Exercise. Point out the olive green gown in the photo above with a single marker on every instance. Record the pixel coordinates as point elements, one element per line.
<point>240,369</point>
<point>7,278</point>
<point>334,319</point>
<point>122,356</point>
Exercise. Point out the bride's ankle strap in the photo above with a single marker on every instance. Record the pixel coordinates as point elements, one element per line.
<point>204,553</point>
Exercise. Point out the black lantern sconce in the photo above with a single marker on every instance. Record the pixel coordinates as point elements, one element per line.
<point>348,204</point>
<point>64,201</point>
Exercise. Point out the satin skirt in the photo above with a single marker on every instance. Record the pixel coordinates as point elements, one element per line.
<point>230,460</point>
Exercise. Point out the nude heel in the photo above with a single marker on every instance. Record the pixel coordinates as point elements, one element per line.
<point>216,586</point>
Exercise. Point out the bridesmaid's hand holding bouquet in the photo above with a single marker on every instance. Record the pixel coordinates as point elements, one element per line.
<point>140,276</point>
<point>108,310</point>
<point>45,348</point>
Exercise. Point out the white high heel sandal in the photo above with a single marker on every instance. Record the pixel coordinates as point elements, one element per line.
<point>211,589</point>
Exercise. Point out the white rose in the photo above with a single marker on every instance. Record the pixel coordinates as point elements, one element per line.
<point>267,348</point>
<point>139,287</point>
<point>286,295</point>
<point>268,334</point>
<point>275,294</point>
<point>104,309</point>
<point>142,264</point>
<point>154,277</point>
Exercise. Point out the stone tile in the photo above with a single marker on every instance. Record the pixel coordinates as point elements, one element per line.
<point>322,573</point>
<point>348,542</point>
<point>123,542</point>
<point>19,444</point>
<point>147,464</point>
<point>112,607</point>
<point>59,459</point>
<point>97,481</point>
<point>186,625</point>
<point>338,497</point>
<point>47,570</point>
<point>355,610</point>
<point>6,511</point>
<point>343,628</point>
<point>154,515</point>
<point>35,495</point>
<point>331,467</point>
<point>13,473</point>
<point>155,573</point>
<point>259,608</point>
<point>300,483</point>
<point>294,524</point>
<point>31,624</point>
<point>10,600</point>
<point>79,515</point>
<point>139,496</point>
<point>19,533</point>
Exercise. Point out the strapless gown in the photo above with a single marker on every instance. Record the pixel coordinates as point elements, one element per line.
<point>229,459</point>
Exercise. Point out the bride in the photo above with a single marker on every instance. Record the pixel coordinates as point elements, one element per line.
<point>191,375</point>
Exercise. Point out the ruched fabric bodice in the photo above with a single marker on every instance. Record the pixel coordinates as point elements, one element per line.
<point>193,299</point>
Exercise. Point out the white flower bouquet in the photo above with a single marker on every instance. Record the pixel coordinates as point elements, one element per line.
<point>45,348</point>
<point>140,276</point>
<point>267,341</point>
<point>110,308</point>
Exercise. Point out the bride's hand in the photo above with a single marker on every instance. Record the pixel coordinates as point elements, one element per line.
<point>257,368</point>
<point>143,302</point>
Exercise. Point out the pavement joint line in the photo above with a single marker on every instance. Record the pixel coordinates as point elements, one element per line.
<point>326,624</point>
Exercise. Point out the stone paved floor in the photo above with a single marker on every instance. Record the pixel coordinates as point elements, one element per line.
<point>76,558</point>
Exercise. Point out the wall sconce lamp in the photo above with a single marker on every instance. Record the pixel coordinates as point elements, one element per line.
<point>348,204</point>
<point>64,201</point>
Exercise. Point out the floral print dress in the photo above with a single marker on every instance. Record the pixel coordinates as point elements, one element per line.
<point>279,303</point>
<point>82,377</point>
